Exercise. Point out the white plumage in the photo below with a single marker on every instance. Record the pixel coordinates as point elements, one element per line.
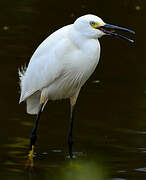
<point>61,64</point>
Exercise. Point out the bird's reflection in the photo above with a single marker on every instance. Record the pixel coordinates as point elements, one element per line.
<point>73,169</point>
<point>83,170</point>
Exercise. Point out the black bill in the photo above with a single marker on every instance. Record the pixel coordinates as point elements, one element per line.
<point>110,29</point>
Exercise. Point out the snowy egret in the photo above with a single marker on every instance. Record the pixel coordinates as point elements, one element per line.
<point>61,65</point>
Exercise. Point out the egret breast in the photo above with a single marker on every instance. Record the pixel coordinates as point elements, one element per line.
<point>79,64</point>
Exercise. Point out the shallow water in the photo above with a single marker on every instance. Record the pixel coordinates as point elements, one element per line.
<point>110,119</point>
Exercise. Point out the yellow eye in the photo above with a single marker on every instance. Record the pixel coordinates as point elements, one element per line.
<point>92,23</point>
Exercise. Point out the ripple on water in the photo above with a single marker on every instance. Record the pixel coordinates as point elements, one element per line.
<point>141,169</point>
<point>143,150</point>
<point>57,150</point>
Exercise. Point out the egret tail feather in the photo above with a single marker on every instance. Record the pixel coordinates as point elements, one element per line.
<point>33,103</point>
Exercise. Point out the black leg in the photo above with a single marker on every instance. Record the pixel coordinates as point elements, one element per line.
<point>33,136</point>
<point>70,137</point>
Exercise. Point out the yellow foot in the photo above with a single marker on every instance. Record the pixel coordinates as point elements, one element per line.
<point>31,152</point>
<point>30,162</point>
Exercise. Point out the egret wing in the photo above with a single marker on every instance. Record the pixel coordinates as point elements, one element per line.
<point>44,66</point>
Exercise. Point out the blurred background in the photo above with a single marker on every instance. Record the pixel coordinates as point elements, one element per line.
<point>110,120</point>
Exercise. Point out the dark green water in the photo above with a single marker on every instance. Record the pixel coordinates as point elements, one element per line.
<point>110,119</point>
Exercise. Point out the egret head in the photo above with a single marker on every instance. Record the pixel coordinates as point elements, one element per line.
<point>92,26</point>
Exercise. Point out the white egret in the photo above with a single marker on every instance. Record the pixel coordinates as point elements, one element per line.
<point>61,65</point>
